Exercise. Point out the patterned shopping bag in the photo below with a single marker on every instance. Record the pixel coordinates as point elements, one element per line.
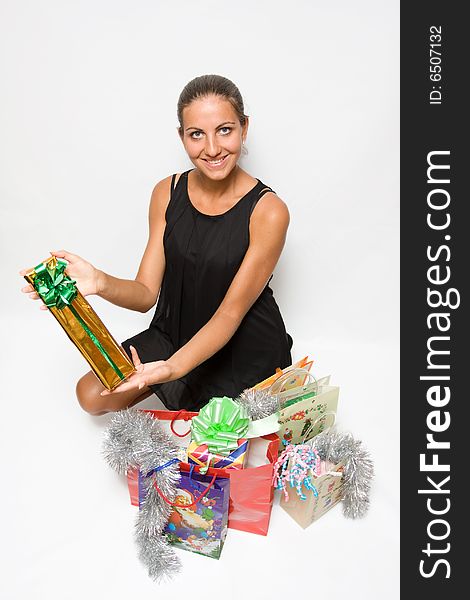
<point>308,410</point>
<point>199,519</point>
<point>327,493</point>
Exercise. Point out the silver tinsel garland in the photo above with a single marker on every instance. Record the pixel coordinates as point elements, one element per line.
<point>358,468</point>
<point>134,439</point>
<point>259,403</point>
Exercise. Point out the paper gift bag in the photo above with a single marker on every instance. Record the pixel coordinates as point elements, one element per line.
<point>251,491</point>
<point>327,494</point>
<point>80,322</point>
<point>313,412</point>
<point>304,363</point>
<point>289,383</point>
<point>198,521</point>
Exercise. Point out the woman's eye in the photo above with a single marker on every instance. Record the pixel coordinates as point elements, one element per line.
<point>225,130</point>
<point>195,135</point>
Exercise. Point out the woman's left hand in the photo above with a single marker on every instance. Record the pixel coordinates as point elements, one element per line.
<point>159,371</point>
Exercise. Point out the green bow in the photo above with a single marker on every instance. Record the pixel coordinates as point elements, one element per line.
<point>54,286</point>
<point>220,424</point>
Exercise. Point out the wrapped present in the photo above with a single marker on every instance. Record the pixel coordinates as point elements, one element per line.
<point>199,519</point>
<point>220,425</point>
<point>199,454</point>
<point>82,325</point>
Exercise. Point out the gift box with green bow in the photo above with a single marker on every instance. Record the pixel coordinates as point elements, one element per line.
<point>217,435</point>
<point>81,323</point>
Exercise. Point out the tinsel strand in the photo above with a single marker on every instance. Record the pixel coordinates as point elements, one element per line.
<point>135,440</point>
<point>259,403</point>
<point>358,468</point>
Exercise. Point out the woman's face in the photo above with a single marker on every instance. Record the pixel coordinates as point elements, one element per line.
<point>212,136</point>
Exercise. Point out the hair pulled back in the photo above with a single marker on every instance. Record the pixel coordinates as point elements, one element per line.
<point>211,85</point>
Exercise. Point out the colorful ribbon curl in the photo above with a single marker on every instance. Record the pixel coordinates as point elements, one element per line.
<point>220,424</point>
<point>57,289</point>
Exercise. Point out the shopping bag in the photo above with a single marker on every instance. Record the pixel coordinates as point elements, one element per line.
<point>251,491</point>
<point>288,384</point>
<point>304,363</point>
<point>307,411</point>
<point>327,493</point>
<point>198,521</point>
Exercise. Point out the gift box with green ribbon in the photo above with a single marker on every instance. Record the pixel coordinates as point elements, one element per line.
<point>81,323</point>
<point>217,435</point>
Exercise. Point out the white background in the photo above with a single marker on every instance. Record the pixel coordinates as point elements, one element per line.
<point>88,126</point>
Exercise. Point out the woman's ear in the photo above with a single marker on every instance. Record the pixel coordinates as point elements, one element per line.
<point>245,128</point>
<point>180,132</point>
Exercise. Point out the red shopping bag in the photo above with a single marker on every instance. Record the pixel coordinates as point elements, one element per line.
<point>251,490</point>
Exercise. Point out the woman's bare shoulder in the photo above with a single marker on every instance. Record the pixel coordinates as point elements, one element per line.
<point>162,187</point>
<point>271,209</point>
<point>161,194</point>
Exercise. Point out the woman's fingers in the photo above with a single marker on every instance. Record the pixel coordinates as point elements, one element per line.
<point>28,289</point>
<point>131,384</point>
<point>146,374</point>
<point>136,359</point>
<point>69,257</point>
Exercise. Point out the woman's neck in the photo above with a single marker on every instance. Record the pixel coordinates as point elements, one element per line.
<point>217,189</point>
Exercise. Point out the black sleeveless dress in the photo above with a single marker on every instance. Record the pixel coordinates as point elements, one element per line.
<point>203,254</point>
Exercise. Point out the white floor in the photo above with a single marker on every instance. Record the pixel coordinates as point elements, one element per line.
<point>67,524</point>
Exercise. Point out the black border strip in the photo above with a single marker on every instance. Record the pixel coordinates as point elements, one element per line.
<point>434,251</point>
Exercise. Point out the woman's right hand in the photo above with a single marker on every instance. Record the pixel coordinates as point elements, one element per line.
<point>84,273</point>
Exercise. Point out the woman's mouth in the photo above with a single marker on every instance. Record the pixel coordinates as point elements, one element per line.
<point>215,164</point>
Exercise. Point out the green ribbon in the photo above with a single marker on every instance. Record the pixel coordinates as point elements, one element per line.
<point>57,289</point>
<point>54,286</point>
<point>220,424</point>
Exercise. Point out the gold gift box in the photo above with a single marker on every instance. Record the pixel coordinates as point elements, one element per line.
<point>111,371</point>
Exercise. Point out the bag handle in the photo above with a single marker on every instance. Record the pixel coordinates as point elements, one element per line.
<point>319,418</point>
<point>286,376</point>
<point>185,417</point>
<point>175,504</point>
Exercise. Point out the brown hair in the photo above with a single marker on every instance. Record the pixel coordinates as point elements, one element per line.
<point>207,85</point>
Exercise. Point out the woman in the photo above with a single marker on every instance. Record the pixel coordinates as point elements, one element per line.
<point>215,236</point>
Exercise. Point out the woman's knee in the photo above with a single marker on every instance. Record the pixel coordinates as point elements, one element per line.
<point>88,394</point>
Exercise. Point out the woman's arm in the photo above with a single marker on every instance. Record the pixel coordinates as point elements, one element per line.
<point>268,228</point>
<point>141,293</point>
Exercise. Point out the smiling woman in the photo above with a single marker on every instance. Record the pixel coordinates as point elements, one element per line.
<point>215,236</point>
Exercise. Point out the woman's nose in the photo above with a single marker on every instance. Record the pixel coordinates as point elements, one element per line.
<point>212,146</point>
